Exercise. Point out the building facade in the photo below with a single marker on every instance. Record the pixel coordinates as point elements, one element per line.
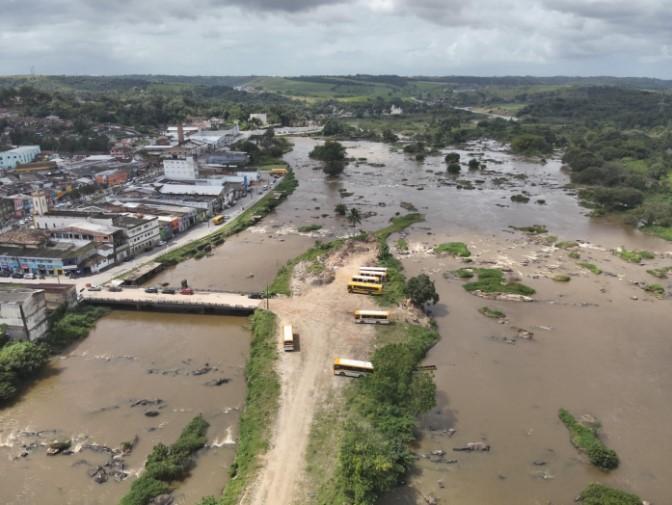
<point>24,311</point>
<point>180,168</point>
<point>18,156</point>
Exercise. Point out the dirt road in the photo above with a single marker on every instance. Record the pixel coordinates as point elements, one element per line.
<point>323,318</point>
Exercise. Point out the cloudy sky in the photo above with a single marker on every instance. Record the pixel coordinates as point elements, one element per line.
<point>294,37</point>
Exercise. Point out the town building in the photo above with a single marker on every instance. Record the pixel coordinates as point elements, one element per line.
<point>180,168</point>
<point>40,204</point>
<point>217,139</point>
<point>228,159</point>
<point>24,312</point>
<point>18,156</point>
<point>112,177</point>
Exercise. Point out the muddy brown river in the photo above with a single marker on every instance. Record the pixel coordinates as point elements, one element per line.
<point>595,349</point>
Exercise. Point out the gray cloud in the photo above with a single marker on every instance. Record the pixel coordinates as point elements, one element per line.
<point>337,36</point>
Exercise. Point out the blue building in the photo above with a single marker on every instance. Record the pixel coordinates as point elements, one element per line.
<point>18,156</point>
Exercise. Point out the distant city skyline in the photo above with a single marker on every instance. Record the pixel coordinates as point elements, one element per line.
<point>302,37</point>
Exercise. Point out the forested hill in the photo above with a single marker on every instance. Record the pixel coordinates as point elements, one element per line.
<point>619,107</point>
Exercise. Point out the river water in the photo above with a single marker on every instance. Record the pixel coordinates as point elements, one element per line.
<point>604,354</point>
<point>89,395</point>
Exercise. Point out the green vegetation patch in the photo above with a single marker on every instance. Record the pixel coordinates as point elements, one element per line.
<point>261,404</point>
<point>664,232</point>
<point>575,255</point>
<point>398,224</point>
<point>249,217</point>
<point>561,278</point>
<point>454,249</point>
<point>402,245</point>
<point>168,464</point>
<point>19,362</point>
<point>381,418</point>
<point>315,255</point>
<point>307,228</point>
<point>67,326</point>
<point>535,229</point>
<point>590,266</point>
<point>491,280</point>
<point>599,494</point>
<point>586,439</point>
<point>567,244</point>
<point>492,313</point>
<point>655,289</point>
<point>634,256</point>
<point>660,273</point>
<point>464,273</point>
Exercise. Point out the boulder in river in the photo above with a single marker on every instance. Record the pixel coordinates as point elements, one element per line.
<point>58,446</point>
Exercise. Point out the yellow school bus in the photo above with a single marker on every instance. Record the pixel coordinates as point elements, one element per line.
<point>379,272</point>
<point>365,288</point>
<point>279,171</point>
<point>218,219</point>
<point>288,338</point>
<point>372,317</point>
<point>352,367</point>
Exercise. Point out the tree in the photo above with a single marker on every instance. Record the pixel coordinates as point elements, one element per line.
<point>421,290</point>
<point>389,137</point>
<point>454,168</point>
<point>474,164</point>
<point>452,157</point>
<point>341,209</point>
<point>354,218</point>
<point>333,168</point>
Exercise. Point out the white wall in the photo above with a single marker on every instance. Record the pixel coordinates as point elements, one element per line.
<point>180,169</point>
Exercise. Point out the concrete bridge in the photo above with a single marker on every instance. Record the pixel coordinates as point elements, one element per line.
<point>201,302</point>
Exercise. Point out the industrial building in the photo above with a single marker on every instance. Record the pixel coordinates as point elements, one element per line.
<point>18,156</point>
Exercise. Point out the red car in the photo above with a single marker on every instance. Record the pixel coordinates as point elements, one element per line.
<point>186,291</point>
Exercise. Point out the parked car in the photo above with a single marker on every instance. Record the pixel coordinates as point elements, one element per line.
<point>94,288</point>
<point>17,275</point>
<point>114,289</point>
<point>186,291</point>
<point>168,291</point>
<point>256,296</point>
<point>29,275</point>
<point>151,290</point>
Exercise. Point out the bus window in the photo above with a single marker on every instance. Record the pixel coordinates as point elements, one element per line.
<point>372,317</point>
<point>352,367</point>
<point>288,338</point>
<point>365,288</point>
<point>366,278</point>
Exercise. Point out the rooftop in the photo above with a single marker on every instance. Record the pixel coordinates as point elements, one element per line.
<point>186,189</point>
<point>10,294</point>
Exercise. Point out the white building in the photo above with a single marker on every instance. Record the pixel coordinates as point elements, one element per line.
<point>24,311</point>
<point>142,233</point>
<point>40,206</point>
<point>18,156</point>
<point>180,169</point>
<point>217,139</point>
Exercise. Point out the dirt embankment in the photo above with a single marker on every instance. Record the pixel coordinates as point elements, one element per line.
<point>322,316</point>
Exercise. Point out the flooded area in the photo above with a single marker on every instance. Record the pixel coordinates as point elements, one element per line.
<point>600,345</point>
<point>103,391</point>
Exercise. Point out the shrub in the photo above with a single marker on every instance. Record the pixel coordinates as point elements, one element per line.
<point>453,248</point>
<point>599,494</point>
<point>492,313</point>
<point>453,168</point>
<point>464,273</point>
<point>452,157</point>
<point>421,290</point>
<point>535,229</point>
<point>519,198</point>
<point>491,280</point>
<point>307,228</point>
<point>341,209</point>
<point>590,266</point>
<point>634,256</point>
<point>586,439</point>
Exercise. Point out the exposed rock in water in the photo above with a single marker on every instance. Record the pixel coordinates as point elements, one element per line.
<point>162,499</point>
<point>152,413</point>
<point>473,447</point>
<point>218,382</point>
<point>58,447</point>
<point>145,403</point>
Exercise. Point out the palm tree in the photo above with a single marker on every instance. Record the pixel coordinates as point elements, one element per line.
<point>354,217</point>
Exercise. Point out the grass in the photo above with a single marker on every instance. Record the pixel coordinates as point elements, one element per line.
<point>599,494</point>
<point>282,280</point>
<point>261,404</point>
<point>590,266</point>
<point>491,280</point>
<point>535,229</point>
<point>168,464</point>
<point>655,289</point>
<point>575,255</point>
<point>492,313</point>
<point>561,278</point>
<point>307,228</point>
<point>664,232</point>
<point>586,439</point>
<point>567,244</point>
<point>261,208</point>
<point>660,273</point>
<point>454,249</point>
<point>634,256</point>
<point>464,273</point>
<point>402,245</point>
<point>398,224</point>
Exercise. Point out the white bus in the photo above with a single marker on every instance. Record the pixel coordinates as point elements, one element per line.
<point>366,278</point>
<point>288,338</point>
<point>352,367</point>
<point>372,317</point>
<point>379,272</point>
